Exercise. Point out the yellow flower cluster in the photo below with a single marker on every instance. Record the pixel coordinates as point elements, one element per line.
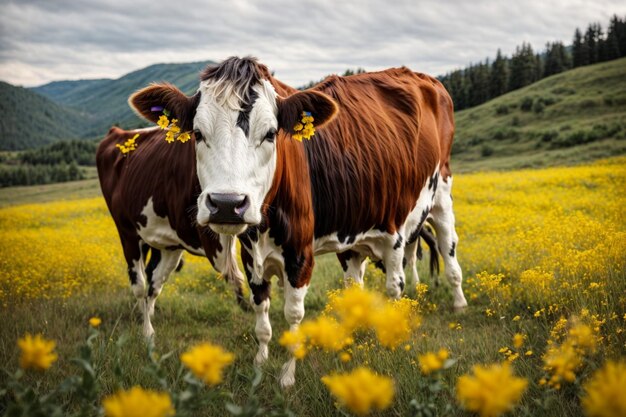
<point>605,392</point>
<point>432,362</point>
<point>128,146</point>
<point>562,361</point>
<point>138,402</point>
<point>350,310</point>
<point>36,352</point>
<point>361,390</point>
<point>304,129</point>
<point>207,362</point>
<point>173,130</point>
<point>491,391</point>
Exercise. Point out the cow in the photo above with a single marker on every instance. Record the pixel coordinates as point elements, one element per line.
<point>376,168</point>
<point>151,194</point>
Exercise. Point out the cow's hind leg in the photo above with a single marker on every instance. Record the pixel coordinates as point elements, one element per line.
<point>162,263</point>
<point>411,257</point>
<point>443,221</point>
<point>353,265</point>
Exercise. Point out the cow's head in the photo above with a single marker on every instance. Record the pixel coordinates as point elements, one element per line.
<point>235,116</point>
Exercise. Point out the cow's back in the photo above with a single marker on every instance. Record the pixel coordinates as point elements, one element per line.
<point>369,165</point>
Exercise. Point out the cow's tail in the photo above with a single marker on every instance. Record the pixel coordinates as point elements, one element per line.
<point>429,237</point>
<point>180,265</point>
<point>232,273</point>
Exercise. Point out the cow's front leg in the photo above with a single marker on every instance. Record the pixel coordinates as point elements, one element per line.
<point>260,290</point>
<point>393,257</point>
<point>298,273</point>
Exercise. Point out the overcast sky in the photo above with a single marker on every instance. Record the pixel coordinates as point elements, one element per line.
<point>46,40</point>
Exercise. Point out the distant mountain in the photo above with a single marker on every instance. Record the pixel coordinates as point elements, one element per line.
<point>106,100</point>
<point>30,120</point>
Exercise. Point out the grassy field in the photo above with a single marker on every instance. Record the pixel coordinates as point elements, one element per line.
<point>573,117</point>
<point>535,246</point>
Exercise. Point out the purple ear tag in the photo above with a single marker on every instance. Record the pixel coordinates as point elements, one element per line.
<point>156,108</point>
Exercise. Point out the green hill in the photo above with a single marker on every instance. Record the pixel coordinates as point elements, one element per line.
<point>30,120</point>
<point>107,100</point>
<point>572,117</point>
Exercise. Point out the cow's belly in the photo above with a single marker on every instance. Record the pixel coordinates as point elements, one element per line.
<point>371,243</point>
<point>159,234</point>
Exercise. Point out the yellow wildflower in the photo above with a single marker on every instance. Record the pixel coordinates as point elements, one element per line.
<point>529,353</point>
<point>304,129</point>
<point>361,390</point>
<point>207,362</point>
<point>605,391</point>
<point>432,362</point>
<point>137,402</point>
<point>169,136</point>
<point>36,352</point>
<point>345,357</point>
<point>95,322</point>
<point>184,137</point>
<point>491,391</point>
<point>516,318</point>
<point>298,127</point>
<point>394,322</point>
<point>518,340</point>
<point>355,307</point>
<point>326,333</point>
<point>163,122</point>
<point>561,362</point>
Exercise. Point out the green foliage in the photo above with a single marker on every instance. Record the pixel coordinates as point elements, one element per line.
<point>486,151</point>
<point>574,112</point>
<point>79,152</point>
<point>27,174</point>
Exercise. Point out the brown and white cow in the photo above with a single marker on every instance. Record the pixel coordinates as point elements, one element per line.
<point>152,194</point>
<point>376,168</point>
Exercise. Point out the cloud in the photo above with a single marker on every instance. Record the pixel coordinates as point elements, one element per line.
<point>42,40</point>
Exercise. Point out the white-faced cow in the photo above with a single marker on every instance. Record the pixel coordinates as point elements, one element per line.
<point>376,168</point>
<point>151,194</point>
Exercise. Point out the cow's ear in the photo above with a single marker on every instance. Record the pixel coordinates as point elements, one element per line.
<point>322,108</point>
<point>158,99</point>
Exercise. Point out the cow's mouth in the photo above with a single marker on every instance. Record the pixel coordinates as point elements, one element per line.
<point>228,228</point>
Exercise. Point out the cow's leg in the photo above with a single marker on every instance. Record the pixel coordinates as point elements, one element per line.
<point>135,253</point>
<point>294,313</point>
<point>297,274</point>
<point>410,257</point>
<point>353,265</point>
<point>393,259</point>
<point>443,221</point>
<point>162,263</point>
<point>260,291</point>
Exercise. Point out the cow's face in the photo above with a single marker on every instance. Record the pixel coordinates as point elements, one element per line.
<point>235,120</point>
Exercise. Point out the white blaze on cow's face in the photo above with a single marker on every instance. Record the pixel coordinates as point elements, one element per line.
<point>235,154</point>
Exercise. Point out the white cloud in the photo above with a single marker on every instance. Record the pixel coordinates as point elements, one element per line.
<point>42,40</point>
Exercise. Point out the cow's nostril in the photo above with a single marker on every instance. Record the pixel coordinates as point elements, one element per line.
<point>211,205</point>
<point>241,208</point>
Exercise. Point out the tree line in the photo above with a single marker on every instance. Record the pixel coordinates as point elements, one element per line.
<point>58,162</point>
<point>481,82</point>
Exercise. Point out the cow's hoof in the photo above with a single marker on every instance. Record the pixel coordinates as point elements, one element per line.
<point>261,356</point>
<point>288,374</point>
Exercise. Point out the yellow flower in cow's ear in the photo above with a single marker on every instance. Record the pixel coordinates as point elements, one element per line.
<point>36,352</point>
<point>491,391</point>
<point>137,402</point>
<point>207,362</point>
<point>184,137</point>
<point>361,390</point>
<point>163,122</point>
<point>95,321</point>
<point>169,136</point>
<point>304,128</point>
<point>605,391</point>
<point>129,145</point>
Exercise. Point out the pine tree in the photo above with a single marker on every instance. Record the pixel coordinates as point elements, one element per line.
<point>612,42</point>
<point>499,76</point>
<point>523,67</point>
<point>579,58</point>
<point>557,59</point>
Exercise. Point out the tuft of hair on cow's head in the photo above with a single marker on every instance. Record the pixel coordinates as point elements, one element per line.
<point>150,102</point>
<point>322,108</point>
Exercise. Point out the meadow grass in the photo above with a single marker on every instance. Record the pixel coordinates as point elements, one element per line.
<point>538,244</point>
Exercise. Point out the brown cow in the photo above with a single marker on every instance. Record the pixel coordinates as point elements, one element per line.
<point>151,193</point>
<point>377,167</point>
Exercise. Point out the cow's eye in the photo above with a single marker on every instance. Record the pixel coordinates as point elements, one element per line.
<point>199,137</point>
<point>270,136</point>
